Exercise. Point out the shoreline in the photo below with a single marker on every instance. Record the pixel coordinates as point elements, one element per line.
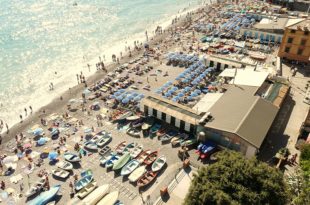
<point>59,106</point>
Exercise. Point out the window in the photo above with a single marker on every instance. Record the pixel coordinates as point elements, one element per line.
<point>290,40</point>
<point>163,116</point>
<point>306,33</point>
<point>154,113</point>
<point>182,125</point>
<point>172,122</point>
<point>293,31</point>
<point>287,49</point>
<point>192,129</point>
<point>146,110</point>
<point>299,52</point>
<point>303,42</point>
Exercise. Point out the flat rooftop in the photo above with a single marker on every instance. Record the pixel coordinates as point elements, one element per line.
<point>270,24</point>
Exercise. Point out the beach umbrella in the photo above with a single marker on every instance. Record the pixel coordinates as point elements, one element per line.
<point>141,95</point>
<point>197,91</point>
<point>187,89</point>
<point>194,94</point>
<point>27,146</point>
<point>125,101</point>
<point>190,98</point>
<point>117,93</point>
<point>119,98</point>
<point>137,99</point>
<point>38,131</point>
<point>86,91</point>
<point>52,155</point>
<point>112,96</point>
<point>54,131</point>
<point>185,81</point>
<point>181,94</point>
<point>42,141</point>
<point>121,90</point>
<point>135,94</point>
<point>168,94</point>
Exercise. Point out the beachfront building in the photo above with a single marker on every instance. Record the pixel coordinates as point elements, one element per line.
<point>238,118</point>
<point>296,41</point>
<point>267,30</point>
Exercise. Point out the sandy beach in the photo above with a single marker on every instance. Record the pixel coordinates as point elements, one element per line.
<point>161,44</point>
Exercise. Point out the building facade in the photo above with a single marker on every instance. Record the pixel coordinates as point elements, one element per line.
<point>296,42</point>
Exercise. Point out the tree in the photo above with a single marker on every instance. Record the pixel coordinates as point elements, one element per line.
<point>234,179</point>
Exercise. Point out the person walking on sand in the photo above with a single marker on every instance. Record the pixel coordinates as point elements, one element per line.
<point>21,118</point>
<point>25,109</point>
<point>88,67</point>
<point>30,109</point>
<point>0,139</point>
<point>78,79</point>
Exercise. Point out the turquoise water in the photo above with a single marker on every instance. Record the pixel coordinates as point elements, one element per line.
<point>41,37</point>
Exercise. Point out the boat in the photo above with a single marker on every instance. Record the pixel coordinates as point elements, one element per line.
<point>87,172</point>
<point>71,157</point>
<point>121,161</point>
<point>189,142</point>
<point>130,167</point>
<point>137,173</point>
<point>80,184</point>
<point>120,147</point>
<point>137,123</point>
<point>150,158</point>
<point>111,161</point>
<point>96,195</point>
<point>178,139</point>
<point>109,199</point>
<point>159,163</point>
<point>136,151</point>
<point>168,136</point>
<point>129,147</point>
<point>133,118</point>
<point>64,165</point>
<point>146,179</point>
<point>60,173</point>
<point>105,150</point>
<point>98,136</point>
<point>104,140</point>
<point>142,156</point>
<point>90,146</point>
<point>106,158</point>
<point>45,197</point>
<point>36,187</point>
<point>133,132</point>
<point>123,116</point>
<point>148,123</point>
<point>155,128</point>
<point>161,132</point>
<point>87,190</point>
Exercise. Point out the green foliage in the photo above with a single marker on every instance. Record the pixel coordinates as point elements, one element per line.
<point>236,180</point>
<point>305,160</point>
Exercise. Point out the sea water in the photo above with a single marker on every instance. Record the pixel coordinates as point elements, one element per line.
<point>44,41</point>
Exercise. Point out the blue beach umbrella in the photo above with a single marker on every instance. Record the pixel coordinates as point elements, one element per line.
<point>52,155</point>
<point>125,101</point>
<point>119,98</point>
<point>117,93</point>
<point>181,94</point>
<point>42,141</point>
<point>113,96</point>
<point>54,131</point>
<point>121,90</point>
<point>38,131</point>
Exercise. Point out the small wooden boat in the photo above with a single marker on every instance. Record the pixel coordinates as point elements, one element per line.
<point>141,157</point>
<point>64,165</point>
<point>111,161</point>
<point>84,181</point>
<point>96,195</point>
<point>97,136</point>
<point>123,116</point>
<point>120,147</point>
<point>105,150</point>
<point>150,158</point>
<point>136,151</point>
<point>137,123</point>
<point>129,147</point>
<point>90,146</point>
<point>36,187</point>
<point>159,163</point>
<point>104,140</point>
<point>168,136</point>
<point>87,190</point>
<point>45,197</point>
<point>106,158</point>
<point>133,118</point>
<point>130,167</point>
<point>155,128</point>
<point>161,132</point>
<point>133,132</point>
<point>178,139</point>
<point>71,157</point>
<point>137,173</point>
<point>148,123</point>
<point>109,199</point>
<point>121,161</point>
<point>146,179</point>
<point>60,173</point>
<point>189,142</point>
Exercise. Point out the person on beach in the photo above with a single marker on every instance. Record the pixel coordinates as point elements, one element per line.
<point>78,79</point>
<point>30,109</point>
<point>25,109</point>
<point>88,67</point>
<point>0,139</point>
<point>21,118</point>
